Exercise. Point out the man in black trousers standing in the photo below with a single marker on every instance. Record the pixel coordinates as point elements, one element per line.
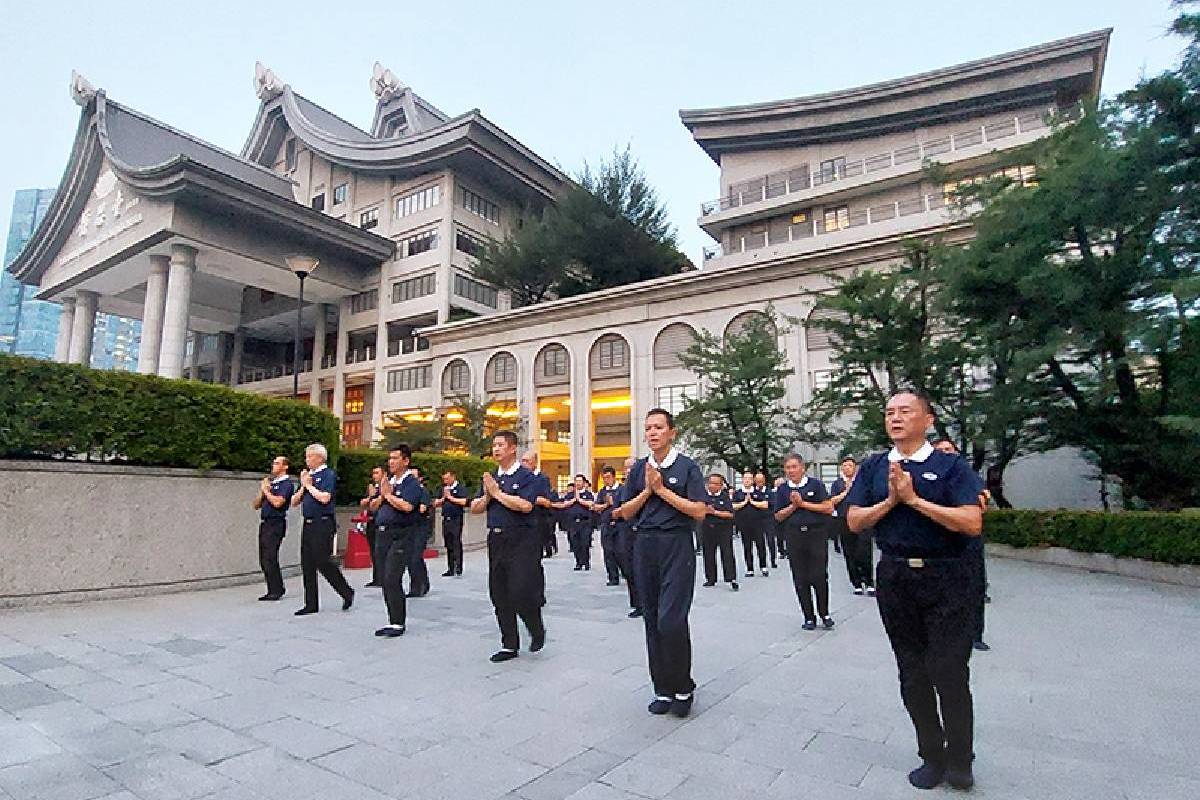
<point>274,493</point>
<point>857,548</point>
<point>399,529</point>
<point>664,498</point>
<point>625,539</point>
<point>924,507</point>
<point>452,503</point>
<point>318,484</point>
<point>515,580</point>
<point>369,507</point>
<point>606,501</point>
<point>716,533</point>
<point>802,509</point>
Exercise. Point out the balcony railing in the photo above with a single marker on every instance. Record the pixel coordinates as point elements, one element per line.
<point>255,374</point>
<point>411,344</point>
<point>777,234</point>
<point>328,360</point>
<point>361,354</point>
<point>798,179</point>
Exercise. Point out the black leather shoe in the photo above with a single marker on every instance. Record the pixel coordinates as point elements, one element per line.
<point>373,585</point>
<point>659,706</point>
<point>500,656</point>
<point>448,574</point>
<point>348,601</point>
<point>710,583</point>
<point>578,567</point>
<point>390,631</point>
<point>733,586</point>
<point>960,777</point>
<point>270,596</point>
<point>302,612</point>
<point>635,613</point>
<point>681,708</point>
<point>538,641</point>
<point>827,622</point>
<point>809,625</point>
<point>927,776</point>
<point>613,583</point>
<point>981,646</point>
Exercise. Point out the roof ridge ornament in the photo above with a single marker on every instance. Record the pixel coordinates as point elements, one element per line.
<point>384,83</point>
<point>267,84</point>
<point>82,92</point>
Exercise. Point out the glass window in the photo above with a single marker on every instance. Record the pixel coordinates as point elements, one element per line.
<point>554,362</point>
<point>340,193</point>
<point>419,200</point>
<point>671,397</point>
<point>318,202</point>
<point>403,380</point>
<point>412,288</point>
<point>460,376</point>
<point>837,219</point>
<point>612,353</point>
<point>476,291</point>
<point>469,243</point>
<point>481,206</point>
<point>833,169</point>
<point>504,370</point>
<point>368,219</point>
<point>364,301</point>
<point>421,242</point>
<point>355,399</point>
<point>289,155</point>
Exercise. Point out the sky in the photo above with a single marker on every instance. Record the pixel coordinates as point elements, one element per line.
<point>570,80</point>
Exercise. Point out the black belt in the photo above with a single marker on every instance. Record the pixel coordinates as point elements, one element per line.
<point>919,562</point>
<point>315,519</point>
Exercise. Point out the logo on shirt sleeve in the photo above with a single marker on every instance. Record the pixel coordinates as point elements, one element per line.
<point>672,480</point>
<point>929,476</point>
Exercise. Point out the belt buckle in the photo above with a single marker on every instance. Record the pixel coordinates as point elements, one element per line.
<point>916,563</point>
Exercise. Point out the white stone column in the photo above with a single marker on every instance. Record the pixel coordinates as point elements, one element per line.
<point>66,322</point>
<point>581,415</point>
<point>176,310</point>
<point>83,327</point>
<point>343,346</point>
<point>318,353</point>
<point>235,359</point>
<point>641,389</point>
<point>526,397</point>
<point>152,315</point>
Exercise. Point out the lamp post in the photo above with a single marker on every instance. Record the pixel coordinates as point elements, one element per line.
<point>303,266</point>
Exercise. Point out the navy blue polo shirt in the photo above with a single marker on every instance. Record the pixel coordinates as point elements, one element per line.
<point>409,489</point>
<point>522,483</point>
<point>746,514</point>
<point>812,491</point>
<point>453,511</point>
<point>942,478</point>
<point>682,476</point>
<point>280,487</point>
<point>578,512</point>
<point>837,487</point>
<point>543,484</point>
<point>760,494</point>
<point>721,501</point>
<point>324,479</point>
<point>606,495</point>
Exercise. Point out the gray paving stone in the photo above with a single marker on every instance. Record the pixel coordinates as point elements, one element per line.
<point>203,742</point>
<point>106,745</point>
<point>647,780</point>
<point>22,743</point>
<point>17,697</point>
<point>149,715</point>
<point>554,785</point>
<point>57,777</point>
<point>33,663</point>
<point>187,647</point>
<point>300,739</point>
<point>166,776</point>
<point>104,693</point>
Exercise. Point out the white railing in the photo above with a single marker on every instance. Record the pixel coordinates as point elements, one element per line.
<point>799,178</point>
<point>872,215</point>
<point>361,354</point>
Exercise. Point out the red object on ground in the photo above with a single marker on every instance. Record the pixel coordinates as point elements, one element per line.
<point>430,552</point>
<point>358,552</point>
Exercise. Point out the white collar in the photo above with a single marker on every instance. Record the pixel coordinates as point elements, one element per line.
<point>283,477</point>
<point>718,494</point>
<point>537,471</point>
<point>318,469</point>
<point>799,485</point>
<point>453,486</point>
<point>516,465</point>
<point>923,452</point>
<point>672,454</point>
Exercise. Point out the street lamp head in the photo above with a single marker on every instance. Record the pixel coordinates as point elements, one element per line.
<point>303,266</point>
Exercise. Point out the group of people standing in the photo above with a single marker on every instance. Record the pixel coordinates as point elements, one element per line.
<point>921,504</point>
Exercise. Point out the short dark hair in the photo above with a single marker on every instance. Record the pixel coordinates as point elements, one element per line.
<point>285,461</point>
<point>581,475</point>
<point>794,457</point>
<point>450,472</point>
<point>607,470</point>
<point>917,393</point>
<point>403,450</point>
<point>507,436</point>
<point>380,467</point>
<point>663,412</point>
<point>848,458</point>
<point>712,475</point>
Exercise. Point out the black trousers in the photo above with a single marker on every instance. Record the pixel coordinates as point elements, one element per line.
<point>580,536</point>
<point>664,566</point>
<point>452,535</point>
<point>316,556</point>
<point>982,594</point>
<point>270,537</point>
<point>781,540</point>
<point>753,537</point>
<point>712,539</point>
<point>376,567</point>
<point>418,572</point>
<point>859,550</point>
<point>768,529</point>
<point>929,615</point>
<point>516,582</point>
<point>808,558</point>
<point>394,545</point>
<point>625,540</point>
<point>545,525</point>
<point>609,546</point>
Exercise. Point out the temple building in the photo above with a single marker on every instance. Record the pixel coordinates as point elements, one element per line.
<point>152,223</point>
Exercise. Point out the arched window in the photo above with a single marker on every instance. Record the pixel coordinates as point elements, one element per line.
<point>739,323</point>
<point>552,366</point>
<point>670,342</point>
<point>457,378</point>
<point>817,336</point>
<point>501,373</point>
<point>610,357</point>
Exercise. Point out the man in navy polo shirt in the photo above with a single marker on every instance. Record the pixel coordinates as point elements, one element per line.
<point>856,547</point>
<point>515,583</point>
<point>923,505</point>
<point>802,510</point>
<point>452,502</point>
<point>577,504</point>
<point>664,498</point>
<point>543,512</point>
<point>318,485</point>
<point>605,503</point>
<point>370,505</point>
<point>977,550</point>
<point>716,533</point>
<point>749,508</point>
<point>274,494</point>
<point>398,528</point>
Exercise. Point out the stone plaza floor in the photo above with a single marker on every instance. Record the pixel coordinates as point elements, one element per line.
<point>1091,691</point>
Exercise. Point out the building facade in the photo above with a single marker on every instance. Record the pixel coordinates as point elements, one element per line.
<point>193,240</point>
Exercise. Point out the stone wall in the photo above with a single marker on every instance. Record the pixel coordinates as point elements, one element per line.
<point>73,531</point>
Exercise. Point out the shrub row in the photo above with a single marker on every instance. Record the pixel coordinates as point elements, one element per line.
<point>354,471</point>
<point>1172,538</point>
<point>51,410</point>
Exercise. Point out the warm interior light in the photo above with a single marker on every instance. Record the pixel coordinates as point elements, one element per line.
<point>619,402</point>
<point>503,412</point>
<point>455,416</point>
<point>547,410</point>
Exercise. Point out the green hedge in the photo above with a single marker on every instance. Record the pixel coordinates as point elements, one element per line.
<point>51,410</point>
<point>354,471</point>
<point>1172,538</point>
